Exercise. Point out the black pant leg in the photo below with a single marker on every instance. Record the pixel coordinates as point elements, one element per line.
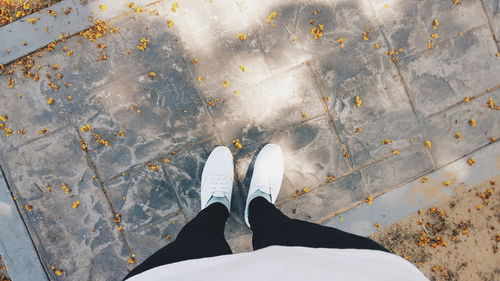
<point>202,237</point>
<point>271,227</point>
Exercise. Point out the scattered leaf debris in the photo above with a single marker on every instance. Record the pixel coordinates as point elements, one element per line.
<point>242,36</point>
<point>428,144</point>
<point>65,188</point>
<point>75,204</point>
<point>153,167</point>
<point>237,143</point>
<point>386,141</point>
<point>317,31</point>
<point>272,16</point>
<point>143,44</point>
<point>300,192</point>
<point>472,122</point>
<point>358,101</point>
<point>369,200</point>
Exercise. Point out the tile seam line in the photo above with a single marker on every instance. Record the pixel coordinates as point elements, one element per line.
<point>400,76</point>
<point>177,196</point>
<point>93,167</point>
<point>497,44</point>
<point>172,152</point>
<point>376,195</point>
<point>403,82</point>
<point>203,99</point>
<point>355,169</point>
<point>474,97</point>
<point>327,111</point>
<point>29,228</point>
<point>50,133</point>
<point>419,51</point>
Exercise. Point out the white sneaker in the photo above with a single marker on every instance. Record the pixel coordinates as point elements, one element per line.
<point>217,177</point>
<point>267,175</point>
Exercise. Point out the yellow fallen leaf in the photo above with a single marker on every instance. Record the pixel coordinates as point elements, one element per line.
<point>428,143</point>
<point>243,68</point>
<point>271,17</point>
<point>102,7</point>
<point>32,20</point>
<point>242,36</point>
<point>358,101</point>
<point>473,122</point>
<point>175,6</point>
<point>75,204</point>
<point>435,24</point>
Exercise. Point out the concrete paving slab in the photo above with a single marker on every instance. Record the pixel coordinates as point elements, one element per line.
<point>16,247</point>
<point>68,214</point>
<point>492,9</point>
<point>409,24</point>
<point>142,117</point>
<point>442,129</point>
<point>311,152</point>
<point>217,35</point>
<point>286,99</point>
<point>142,196</point>
<point>401,168</point>
<point>463,66</point>
<point>32,100</point>
<point>416,195</point>
<point>287,39</point>
<point>384,112</point>
<point>319,204</point>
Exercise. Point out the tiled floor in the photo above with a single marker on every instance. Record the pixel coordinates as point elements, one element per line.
<point>158,113</point>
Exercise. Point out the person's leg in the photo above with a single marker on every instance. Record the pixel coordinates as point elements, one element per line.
<point>202,237</point>
<point>271,227</point>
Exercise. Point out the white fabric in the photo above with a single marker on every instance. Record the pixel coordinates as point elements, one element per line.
<point>290,263</point>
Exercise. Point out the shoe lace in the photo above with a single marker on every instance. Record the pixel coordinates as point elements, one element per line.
<point>263,182</point>
<point>220,184</point>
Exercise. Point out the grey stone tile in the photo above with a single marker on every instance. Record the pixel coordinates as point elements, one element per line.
<point>324,201</point>
<point>240,244</point>
<point>157,115</point>
<point>492,9</point>
<point>441,128</point>
<point>274,103</point>
<point>287,40</point>
<point>311,154</point>
<point>385,112</point>
<point>19,254</point>
<point>26,106</point>
<point>184,172</point>
<point>200,23</point>
<point>153,236</point>
<point>142,196</point>
<point>388,173</point>
<point>207,31</point>
<point>72,239</point>
<point>49,161</point>
<point>463,66</point>
<point>409,24</point>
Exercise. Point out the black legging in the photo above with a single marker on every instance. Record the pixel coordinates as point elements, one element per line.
<point>204,235</point>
